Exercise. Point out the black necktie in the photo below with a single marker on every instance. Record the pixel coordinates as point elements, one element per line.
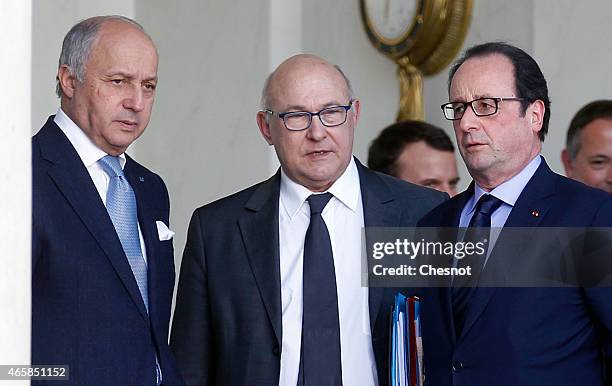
<point>320,355</point>
<point>478,230</point>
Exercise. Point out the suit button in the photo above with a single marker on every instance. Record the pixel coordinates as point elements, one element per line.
<point>276,350</point>
<point>457,366</point>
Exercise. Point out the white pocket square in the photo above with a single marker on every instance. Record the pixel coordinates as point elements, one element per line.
<point>163,231</point>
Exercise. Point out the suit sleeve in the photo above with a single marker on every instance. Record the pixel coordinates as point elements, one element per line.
<point>431,214</point>
<point>191,339</point>
<point>441,197</point>
<point>600,298</point>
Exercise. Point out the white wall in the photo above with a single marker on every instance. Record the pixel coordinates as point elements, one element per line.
<point>215,54</point>
<point>570,42</point>
<point>203,138</point>
<point>51,20</point>
<point>572,45</point>
<point>492,20</point>
<point>15,183</point>
<point>333,30</point>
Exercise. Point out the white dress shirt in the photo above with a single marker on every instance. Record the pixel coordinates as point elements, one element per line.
<point>508,192</point>
<point>343,216</point>
<point>90,154</point>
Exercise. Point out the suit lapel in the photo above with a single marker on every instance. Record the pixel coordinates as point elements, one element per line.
<point>530,208</point>
<point>451,214</point>
<point>259,229</point>
<point>378,211</point>
<point>73,180</point>
<point>148,229</point>
<point>533,203</point>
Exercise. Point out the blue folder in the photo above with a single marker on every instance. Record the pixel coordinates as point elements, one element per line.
<point>406,356</point>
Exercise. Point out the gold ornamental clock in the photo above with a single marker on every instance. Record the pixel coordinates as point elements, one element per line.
<point>421,36</point>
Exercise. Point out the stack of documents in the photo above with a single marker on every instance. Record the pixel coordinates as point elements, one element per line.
<point>406,343</point>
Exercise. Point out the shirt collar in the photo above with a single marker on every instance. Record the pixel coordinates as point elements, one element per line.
<point>86,149</point>
<point>346,189</point>
<point>510,190</point>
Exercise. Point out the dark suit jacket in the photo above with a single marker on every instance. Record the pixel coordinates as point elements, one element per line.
<point>523,336</point>
<point>87,312</point>
<point>227,323</point>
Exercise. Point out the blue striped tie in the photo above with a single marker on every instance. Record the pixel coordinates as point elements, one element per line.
<point>121,206</point>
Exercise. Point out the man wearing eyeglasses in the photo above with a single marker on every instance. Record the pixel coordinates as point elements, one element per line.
<point>499,108</point>
<point>270,289</point>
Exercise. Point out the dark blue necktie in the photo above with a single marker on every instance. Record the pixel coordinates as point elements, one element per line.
<point>320,355</point>
<point>478,230</point>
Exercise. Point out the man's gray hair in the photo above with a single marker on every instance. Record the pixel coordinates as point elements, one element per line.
<point>264,102</point>
<point>79,41</point>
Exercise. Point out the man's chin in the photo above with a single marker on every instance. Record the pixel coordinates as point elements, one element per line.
<point>319,182</point>
<point>478,165</point>
<point>125,139</point>
<point>118,147</point>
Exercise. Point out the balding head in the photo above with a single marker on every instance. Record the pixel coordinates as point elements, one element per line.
<point>301,61</point>
<point>312,153</point>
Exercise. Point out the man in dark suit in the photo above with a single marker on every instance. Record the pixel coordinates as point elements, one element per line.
<point>499,106</point>
<point>102,255</point>
<point>270,289</point>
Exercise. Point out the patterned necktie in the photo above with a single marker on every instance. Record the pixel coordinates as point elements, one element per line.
<point>121,207</point>
<point>478,230</point>
<point>320,355</point>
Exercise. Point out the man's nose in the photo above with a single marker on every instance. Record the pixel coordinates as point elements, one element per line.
<point>469,120</point>
<point>317,131</point>
<point>135,99</point>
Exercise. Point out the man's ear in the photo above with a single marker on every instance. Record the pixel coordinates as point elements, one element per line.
<point>536,115</point>
<point>357,110</point>
<point>567,163</point>
<point>67,81</point>
<point>264,126</point>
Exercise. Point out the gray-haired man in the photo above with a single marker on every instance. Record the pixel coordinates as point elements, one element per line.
<point>102,255</point>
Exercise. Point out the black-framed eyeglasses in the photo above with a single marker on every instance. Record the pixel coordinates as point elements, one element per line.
<point>482,107</point>
<point>301,120</point>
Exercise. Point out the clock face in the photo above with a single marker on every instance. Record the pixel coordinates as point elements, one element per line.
<point>391,20</point>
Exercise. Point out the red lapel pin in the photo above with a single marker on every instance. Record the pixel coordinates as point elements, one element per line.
<point>535,213</point>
